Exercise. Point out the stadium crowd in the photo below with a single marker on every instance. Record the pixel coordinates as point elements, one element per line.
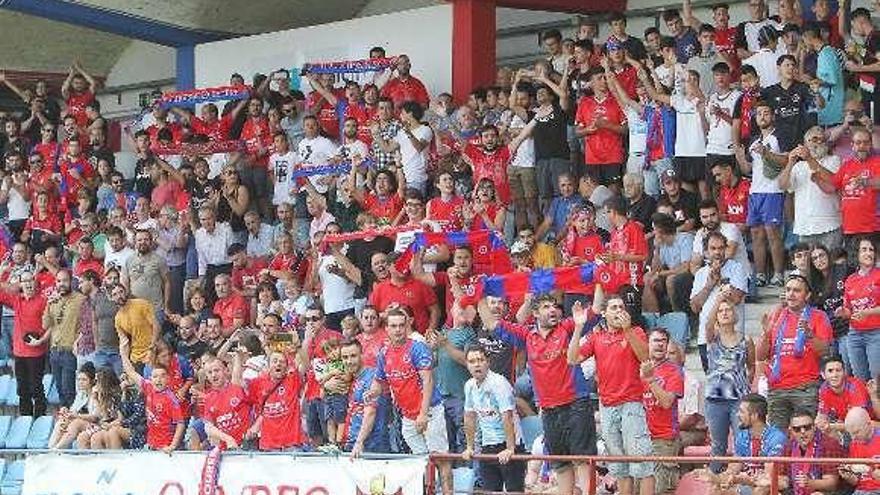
<point>198,303</point>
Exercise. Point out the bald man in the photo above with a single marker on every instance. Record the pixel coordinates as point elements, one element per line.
<point>865,444</point>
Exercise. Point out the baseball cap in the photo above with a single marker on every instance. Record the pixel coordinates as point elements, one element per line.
<point>668,175</point>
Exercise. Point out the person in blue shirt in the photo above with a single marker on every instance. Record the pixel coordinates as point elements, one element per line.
<point>829,76</point>
<point>556,218</point>
<point>366,425</point>
<point>755,438</point>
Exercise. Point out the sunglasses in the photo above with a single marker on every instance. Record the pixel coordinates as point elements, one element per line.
<point>802,428</point>
<point>312,319</point>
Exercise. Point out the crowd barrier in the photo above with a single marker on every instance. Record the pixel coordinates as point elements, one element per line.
<point>773,464</point>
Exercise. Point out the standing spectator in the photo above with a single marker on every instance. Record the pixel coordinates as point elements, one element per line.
<point>627,250</point>
<point>367,416</point>
<point>560,388</point>
<point>29,339</point>
<point>171,241</point>
<point>664,386</point>
<point>61,319</point>
<point>691,124</point>
<point>404,86</point>
<point>764,60</point>
<point>816,213</point>
<point>720,109</point>
<point>683,202</point>
<point>412,140</point>
<point>136,325</point>
<point>316,335</point>
<point>765,216</point>
<point>402,289</point>
<point>78,91</point>
<point>552,40</point>
<point>829,74</point>
<point>559,209</point>
<point>720,278</point>
<point>632,45</point>
<point>861,305</point>
<point>404,366</point>
<point>552,151</point>
<point>792,102</point>
<point>619,348</point>
<point>146,276</point>
<point>686,43</point>
<point>490,406</point>
<point>794,337</point>
<point>602,124</point>
<point>866,65</point>
<point>227,408</point>
<point>212,241</point>
<point>707,59</point>
<point>231,307</point>
<point>106,337</point>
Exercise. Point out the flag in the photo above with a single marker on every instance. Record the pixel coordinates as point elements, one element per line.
<point>489,250</point>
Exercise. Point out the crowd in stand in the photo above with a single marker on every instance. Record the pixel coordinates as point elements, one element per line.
<point>197,303</point>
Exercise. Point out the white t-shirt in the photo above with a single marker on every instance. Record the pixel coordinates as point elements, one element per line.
<point>282,166</point>
<point>732,233</point>
<point>525,154</point>
<point>415,163</point>
<point>18,207</point>
<point>738,279</point>
<point>638,131</point>
<point>690,139</point>
<point>751,29</point>
<point>337,292</point>
<point>719,140</point>
<point>764,62</point>
<point>354,148</point>
<point>815,211</point>
<point>760,183</point>
<point>116,259</point>
<point>316,151</point>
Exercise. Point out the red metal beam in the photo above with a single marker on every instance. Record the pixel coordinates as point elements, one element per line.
<point>571,6</point>
<point>473,45</point>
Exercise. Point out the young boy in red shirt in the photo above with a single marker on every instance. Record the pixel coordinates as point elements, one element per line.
<point>165,419</point>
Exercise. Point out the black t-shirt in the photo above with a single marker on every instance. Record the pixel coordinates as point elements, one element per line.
<point>791,108</point>
<point>360,253</point>
<point>686,208</point>
<point>499,352</point>
<point>143,183</point>
<point>200,192</point>
<point>551,135</point>
<point>635,47</point>
<point>642,210</point>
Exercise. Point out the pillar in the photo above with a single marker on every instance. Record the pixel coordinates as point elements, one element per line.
<point>473,45</point>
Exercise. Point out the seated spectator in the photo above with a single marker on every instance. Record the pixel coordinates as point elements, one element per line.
<point>557,215</point>
<point>107,396</point>
<point>668,284</point>
<point>71,421</point>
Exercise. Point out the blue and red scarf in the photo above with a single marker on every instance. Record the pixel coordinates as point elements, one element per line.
<point>192,97</point>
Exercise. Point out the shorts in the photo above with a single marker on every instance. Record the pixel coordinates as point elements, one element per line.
<point>335,407</point>
<point>316,419</point>
<point>690,169</point>
<point>547,172</point>
<point>569,430</point>
<point>522,183</point>
<point>625,431</point>
<point>667,473</point>
<point>433,439</point>
<point>765,209</point>
<point>606,173</point>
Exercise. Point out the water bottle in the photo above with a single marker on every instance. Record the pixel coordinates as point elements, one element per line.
<point>763,386</point>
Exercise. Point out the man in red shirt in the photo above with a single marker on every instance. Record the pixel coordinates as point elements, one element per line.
<point>385,204</point>
<point>602,124</point>
<point>165,418</point>
<point>245,270</point>
<point>28,341</point>
<point>231,307</point>
<point>628,248</point>
<point>405,86</point>
<point>78,90</point>
<point>275,395</point>
<point>664,385</point>
<point>458,281</point>
<point>86,260</point>
<point>318,105</point>
<point>733,193</point>
<point>619,349</point>
<point>491,158</point>
<point>794,337</point>
<point>857,181</point>
<point>561,389</point>
<point>837,395</point>
<point>76,173</point>
<point>865,445</point>
<point>402,289</point>
<point>227,413</point>
<point>208,122</point>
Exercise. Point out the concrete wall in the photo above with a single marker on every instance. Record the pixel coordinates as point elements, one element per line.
<point>425,34</point>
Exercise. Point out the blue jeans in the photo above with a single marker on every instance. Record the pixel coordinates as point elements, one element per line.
<point>63,366</point>
<point>107,359</point>
<point>453,409</point>
<point>721,417</point>
<point>840,346</point>
<point>6,326</point>
<point>863,347</point>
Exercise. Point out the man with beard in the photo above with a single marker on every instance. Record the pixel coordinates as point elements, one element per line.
<point>807,442</point>
<point>794,337</point>
<point>865,445</point>
<point>560,387</point>
<point>816,213</point>
<point>146,274</point>
<point>275,395</point>
<point>367,420</point>
<point>61,321</point>
<point>136,325</point>
<point>458,281</point>
<point>404,86</point>
<point>710,218</point>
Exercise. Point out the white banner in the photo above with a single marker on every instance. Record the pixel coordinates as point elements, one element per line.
<point>153,473</point>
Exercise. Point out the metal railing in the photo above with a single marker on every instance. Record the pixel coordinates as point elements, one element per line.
<point>592,461</point>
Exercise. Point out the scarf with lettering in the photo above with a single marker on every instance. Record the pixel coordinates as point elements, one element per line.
<point>210,473</point>
<point>206,148</point>
<point>490,254</point>
<point>351,66</point>
<point>192,97</point>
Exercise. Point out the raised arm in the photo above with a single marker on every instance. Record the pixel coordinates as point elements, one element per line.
<point>316,83</point>
<point>93,84</point>
<point>687,15</point>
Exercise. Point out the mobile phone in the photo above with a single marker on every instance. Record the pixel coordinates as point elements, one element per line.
<point>280,341</point>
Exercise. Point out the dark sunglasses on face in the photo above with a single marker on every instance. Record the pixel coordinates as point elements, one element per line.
<point>802,428</point>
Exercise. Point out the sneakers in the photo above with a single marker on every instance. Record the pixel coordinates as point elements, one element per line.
<point>777,280</point>
<point>761,280</point>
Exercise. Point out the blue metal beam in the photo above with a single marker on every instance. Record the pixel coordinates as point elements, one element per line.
<point>186,67</point>
<point>113,21</point>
